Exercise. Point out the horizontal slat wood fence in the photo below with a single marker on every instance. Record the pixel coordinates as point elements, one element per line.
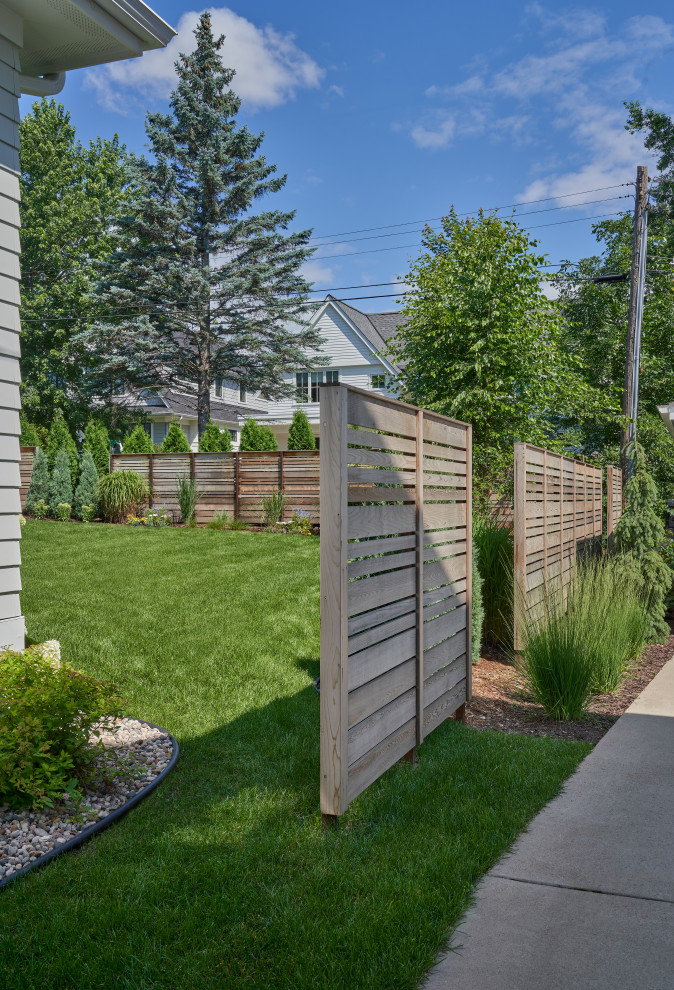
<point>234,483</point>
<point>25,471</point>
<point>396,532</point>
<point>614,501</point>
<point>557,516</point>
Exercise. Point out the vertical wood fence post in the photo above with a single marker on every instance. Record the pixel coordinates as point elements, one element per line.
<point>545,522</point>
<point>419,498</point>
<point>237,468</point>
<point>334,603</point>
<point>192,467</point>
<point>520,565</point>
<point>469,563</point>
<point>150,472</point>
<point>282,481</point>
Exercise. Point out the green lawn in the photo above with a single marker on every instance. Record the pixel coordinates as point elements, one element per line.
<point>224,876</point>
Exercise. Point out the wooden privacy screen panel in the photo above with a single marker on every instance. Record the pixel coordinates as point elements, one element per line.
<point>614,500</point>
<point>25,471</point>
<point>557,515</point>
<point>395,583</point>
<point>233,483</point>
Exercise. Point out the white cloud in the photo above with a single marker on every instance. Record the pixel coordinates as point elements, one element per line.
<point>270,68</point>
<point>337,90</point>
<point>434,137</point>
<point>314,271</point>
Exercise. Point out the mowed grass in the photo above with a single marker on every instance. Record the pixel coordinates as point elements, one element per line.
<point>224,877</point>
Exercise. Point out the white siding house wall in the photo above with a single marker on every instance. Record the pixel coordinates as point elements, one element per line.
<point>11,621</point>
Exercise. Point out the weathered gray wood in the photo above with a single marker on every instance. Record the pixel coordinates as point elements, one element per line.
<point>374,520</point>
<point>383,656</point>
<point>367,734</point>
<point>383,441</point>
<point>379,691</point>
<point>378,760</point>
<point>420,580</point>
<point>444,707</point>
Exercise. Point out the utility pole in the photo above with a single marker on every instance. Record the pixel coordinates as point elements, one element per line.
<point>635,314</point>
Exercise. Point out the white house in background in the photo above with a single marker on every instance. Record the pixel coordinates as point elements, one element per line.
<point>355,346</point>
<point>39,41</point>
<point>667,416</point>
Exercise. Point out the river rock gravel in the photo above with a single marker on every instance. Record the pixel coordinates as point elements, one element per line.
<point>136,751</point>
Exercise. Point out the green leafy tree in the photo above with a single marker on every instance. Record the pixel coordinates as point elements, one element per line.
<point>639,533</point>
<point>97,443</point>
<point>300,436</point>
<point>39,481</point>
<point>175,441</point>
<point>211,290</point>
<point>477,607</point>
<point>254,436</point>
<point>85,493</point>
<point>483,344</point>
<point>60,439</point>
<point>60,483</point>
<point>29,433</point>
<point>71,197</point>
<point>138,441</point>
<point>213,440</point>
<point>658,131</point>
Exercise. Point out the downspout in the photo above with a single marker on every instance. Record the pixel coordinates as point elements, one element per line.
<point>49,84</point>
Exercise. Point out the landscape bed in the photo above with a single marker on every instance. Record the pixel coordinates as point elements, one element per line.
<point>224,875</point>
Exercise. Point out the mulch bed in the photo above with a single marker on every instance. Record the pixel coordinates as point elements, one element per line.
<point>500,700</point>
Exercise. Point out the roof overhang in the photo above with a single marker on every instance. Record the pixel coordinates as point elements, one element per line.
<point>667,416</point>
<point>59,35</point>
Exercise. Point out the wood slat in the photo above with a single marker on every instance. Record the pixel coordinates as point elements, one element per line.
<point>444,572</point>
<point>444,707</point>
<point>383,630</point>
<point>376,660</point>
<point>372,592</point>
<point>381,520</point>
<point>378,414</point>
<point>373,565</point>
<point>371,766</point>
<point>377,693</point>
<point>381,441</point>
<point>441,654</point>
<point>372,731</point>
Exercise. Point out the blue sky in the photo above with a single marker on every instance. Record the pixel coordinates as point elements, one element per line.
<point>387,113</point>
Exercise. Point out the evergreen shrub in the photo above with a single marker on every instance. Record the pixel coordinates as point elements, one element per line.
<point>60,439</point>
<point>138,441</point>
<point>255,436</point>
<point>85,493</point>
<point>97,443</point>
<point>300,436</point>
<point>60,486</point>
<point>38,490</point>
<point>214,440</point>
<point>63,511</point>
<point>41,509</point>
<point>175,441</point>
<point>88,513</point>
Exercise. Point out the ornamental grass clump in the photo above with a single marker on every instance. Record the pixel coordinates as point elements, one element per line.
<point>188,495</point>
<point>580,641</point>
<point>272,508</point>
<point>120,495</point>
<point>51,718</point>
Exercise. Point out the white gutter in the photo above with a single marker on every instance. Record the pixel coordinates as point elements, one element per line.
<point>47,85</point>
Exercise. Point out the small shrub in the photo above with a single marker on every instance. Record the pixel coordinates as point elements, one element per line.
<point>300,523</point>
<point>38,490</point>
<point>40,509</point>
<point>219,521</point>
<point>494,543</point>
<point>300,436</point>
<point>156,517</point>
<point>88,513</point>
<point>272,508</point>
<point>236,523</point>
<point>97,443</point>
<point>60,488</point>
<point>63,511</point>
<point>257,437</point>
<point>60,439</point>
<point>214,440</point>
<point>138,441</point>
<point>85,493</point>
<point>48,714</point>
<point>175,441</point>
<point>188,495</point>
<point>477,608</point>
<point>121,494</point>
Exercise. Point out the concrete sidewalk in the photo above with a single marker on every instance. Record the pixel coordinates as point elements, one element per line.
<point>585,898</point>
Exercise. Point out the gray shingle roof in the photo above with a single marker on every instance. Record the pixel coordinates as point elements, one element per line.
<point>182,404</point>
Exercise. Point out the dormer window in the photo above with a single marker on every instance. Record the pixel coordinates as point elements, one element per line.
<point>243,396</point>
<point>218,388</point>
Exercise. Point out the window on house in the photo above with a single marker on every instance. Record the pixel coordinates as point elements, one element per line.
<point>218,388</point>
<point>379,381</point>
<point>242,394</point>
<point>159,431</point>
<point>302,386</point>
<point>316,380</point>
<point>332,376</point>
<point>234,434</point>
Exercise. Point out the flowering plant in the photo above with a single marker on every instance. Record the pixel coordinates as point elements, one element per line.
<point>301,522</point>
<point>154,517</point>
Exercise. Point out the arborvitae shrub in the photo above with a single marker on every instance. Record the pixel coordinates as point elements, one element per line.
<point>639,533</point>
<point>60,439</point>
<point>85,493</point>
<point>477,608</point>
<point>60,487</point>
<point>97,442</point>
<point>300,436</point>
<point>175,441</point>
<point>39,481</point>
<point>138,441</point>
<point>213,440</point>
<point>257,437</point>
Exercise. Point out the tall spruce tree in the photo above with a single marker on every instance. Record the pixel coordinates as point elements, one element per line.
<point>39,481</point>
<point>210,289</point>
<point>97,442</point>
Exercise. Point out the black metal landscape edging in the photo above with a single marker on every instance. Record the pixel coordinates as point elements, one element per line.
<point>110,819</point>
